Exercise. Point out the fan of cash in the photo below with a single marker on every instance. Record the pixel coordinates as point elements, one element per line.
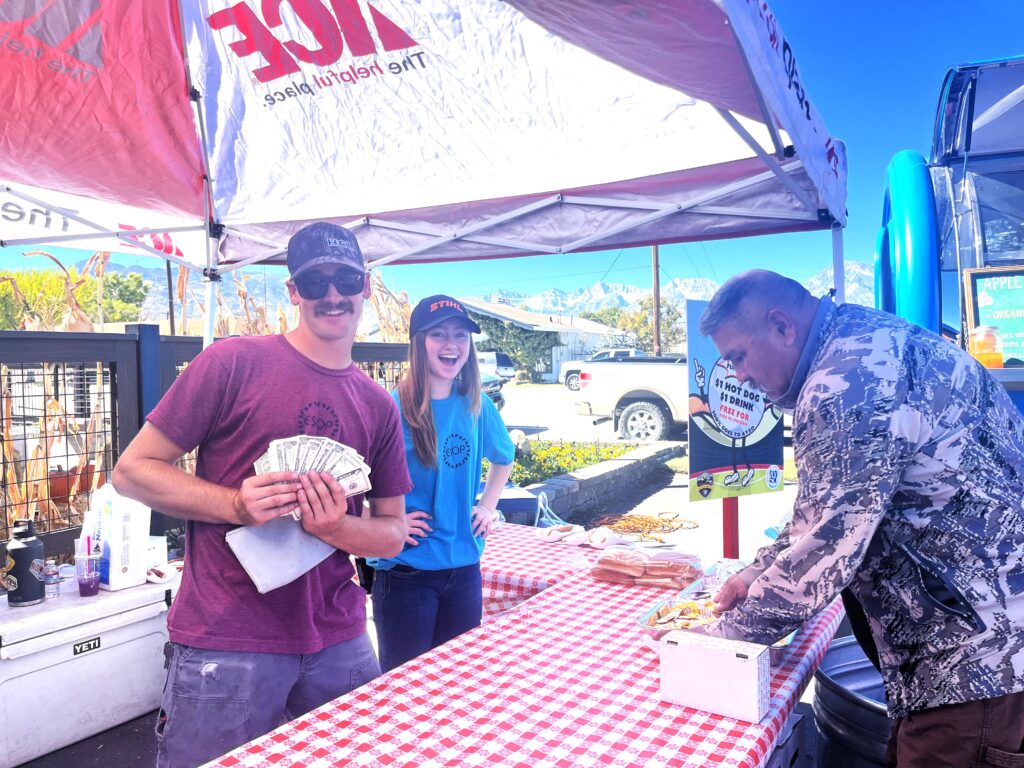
<point>306,453</point>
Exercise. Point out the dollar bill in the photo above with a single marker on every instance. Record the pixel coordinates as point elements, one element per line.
<point>309,447</point>
<point>312,453</point>
<point>283,453</point>
<point>262,465</point>
<point>354,482</point>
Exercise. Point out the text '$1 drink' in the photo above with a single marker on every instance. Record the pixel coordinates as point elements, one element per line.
<point>23,571</point>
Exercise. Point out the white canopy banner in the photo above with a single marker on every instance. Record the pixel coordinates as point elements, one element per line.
<point>774,65</point>
<point>423,104</point>
<point>436,130</point>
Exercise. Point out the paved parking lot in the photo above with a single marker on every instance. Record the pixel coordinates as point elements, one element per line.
<point>548,412</point>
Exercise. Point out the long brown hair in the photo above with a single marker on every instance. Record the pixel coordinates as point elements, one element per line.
<point>414,394</point>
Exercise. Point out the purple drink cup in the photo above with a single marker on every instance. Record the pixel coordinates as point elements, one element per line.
<point>87,569</point>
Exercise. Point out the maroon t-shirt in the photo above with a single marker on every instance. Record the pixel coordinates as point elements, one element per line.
<point>231,401</point>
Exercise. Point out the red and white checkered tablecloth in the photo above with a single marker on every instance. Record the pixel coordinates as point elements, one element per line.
<point>562,680</point>
<point>517,565</point>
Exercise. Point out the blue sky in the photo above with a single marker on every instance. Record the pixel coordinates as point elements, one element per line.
<point>873,70</point>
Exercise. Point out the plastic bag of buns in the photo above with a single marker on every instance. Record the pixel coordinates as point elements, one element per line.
<point>669,569</point>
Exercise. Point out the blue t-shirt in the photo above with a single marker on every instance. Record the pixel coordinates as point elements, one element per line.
<point>447,492</point>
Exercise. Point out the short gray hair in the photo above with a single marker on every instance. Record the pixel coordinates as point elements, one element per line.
<point>746,298</point>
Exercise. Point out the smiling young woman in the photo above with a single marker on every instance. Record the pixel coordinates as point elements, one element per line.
<point>431,591</point>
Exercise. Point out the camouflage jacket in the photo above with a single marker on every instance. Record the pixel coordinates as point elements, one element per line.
<point>910,462</point>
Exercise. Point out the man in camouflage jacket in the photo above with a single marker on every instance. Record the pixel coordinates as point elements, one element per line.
<point>910,461</point>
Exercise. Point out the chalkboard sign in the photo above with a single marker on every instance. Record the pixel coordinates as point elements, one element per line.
<point>995,297</point>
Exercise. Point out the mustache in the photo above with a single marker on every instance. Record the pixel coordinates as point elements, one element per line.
<point>330,306</point>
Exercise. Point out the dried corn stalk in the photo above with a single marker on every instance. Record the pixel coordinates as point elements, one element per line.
<point>393,311</point>
<point>30,321</point>
<point>13,492</point>
<point>182,298</point>
<point>74,318</point>
<point>94,444</point>
<point>255,322</point>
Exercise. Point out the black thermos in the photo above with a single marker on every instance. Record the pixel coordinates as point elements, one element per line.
<point>24,587</point>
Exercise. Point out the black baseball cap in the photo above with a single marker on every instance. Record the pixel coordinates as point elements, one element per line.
<point>323,243</point>
<point>436,309</point>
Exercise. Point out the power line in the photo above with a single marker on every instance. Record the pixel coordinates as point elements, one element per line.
<point>710,264</point>
<point>689,258</point>
<point>601,279</point>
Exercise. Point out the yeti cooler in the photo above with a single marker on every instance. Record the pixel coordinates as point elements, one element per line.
<point>75,666</point>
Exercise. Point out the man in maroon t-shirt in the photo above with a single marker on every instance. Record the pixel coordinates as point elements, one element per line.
<point>241,662</point>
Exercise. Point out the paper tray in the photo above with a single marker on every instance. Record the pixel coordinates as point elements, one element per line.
<point>698,591</point>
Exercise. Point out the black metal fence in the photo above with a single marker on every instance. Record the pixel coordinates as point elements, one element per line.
<point>70,402</point>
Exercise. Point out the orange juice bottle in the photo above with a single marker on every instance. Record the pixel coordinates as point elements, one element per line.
<point>986,346</point>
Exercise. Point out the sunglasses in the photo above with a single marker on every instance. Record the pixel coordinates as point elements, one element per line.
<point>313,286</point>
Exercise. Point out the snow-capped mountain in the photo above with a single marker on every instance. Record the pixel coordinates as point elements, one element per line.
<point>267,287</point>
<point>859,290</point>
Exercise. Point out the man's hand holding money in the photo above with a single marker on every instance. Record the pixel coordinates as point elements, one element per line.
<point>323,504</point>
<point>261,498</point>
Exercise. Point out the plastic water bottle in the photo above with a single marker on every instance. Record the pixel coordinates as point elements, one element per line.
<point>51,579</point>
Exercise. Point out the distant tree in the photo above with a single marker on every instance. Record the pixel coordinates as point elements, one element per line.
<point>123,296</point>
<point>525,347</point>
<point>45,303</point>
<point>610,316</point>
<point>641,322</point>
<point>44,299</point>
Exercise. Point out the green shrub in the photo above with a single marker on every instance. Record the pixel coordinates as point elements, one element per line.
<point>547,458</point>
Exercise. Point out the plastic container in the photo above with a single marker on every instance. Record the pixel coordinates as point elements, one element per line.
<point>87,573</point>
<point>119,526</point>
<point>24,586</point>
<point>698,599</point>
<point>986,346</point>
<point>695,607</point>
<point>849,708</point>
<point>51,580</point>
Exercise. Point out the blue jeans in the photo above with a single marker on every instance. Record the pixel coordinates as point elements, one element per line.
<point>215,701</point>
<point>415,610</point>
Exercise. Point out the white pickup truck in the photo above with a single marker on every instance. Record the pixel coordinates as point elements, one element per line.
<point>643,396</point>
<point>569,372</point>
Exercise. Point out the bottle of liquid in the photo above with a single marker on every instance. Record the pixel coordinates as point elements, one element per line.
<point>51,580</point>
<point>23,579</point>
<point>986,346</point>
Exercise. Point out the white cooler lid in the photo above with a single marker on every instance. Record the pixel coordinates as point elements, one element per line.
<point>69,610</point>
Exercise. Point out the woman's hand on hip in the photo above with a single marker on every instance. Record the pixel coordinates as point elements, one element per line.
<point>418,526</point>
<point>483,520</point>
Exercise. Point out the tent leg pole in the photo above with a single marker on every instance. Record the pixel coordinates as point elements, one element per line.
<point>211,312</point>
<point>838,272</point>
<point>170,296</point>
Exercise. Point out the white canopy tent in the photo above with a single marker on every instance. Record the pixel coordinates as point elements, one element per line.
<point>439,130</point>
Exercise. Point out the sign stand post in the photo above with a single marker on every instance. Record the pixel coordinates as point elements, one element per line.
<point>735,433</point>
<point>731,528</point>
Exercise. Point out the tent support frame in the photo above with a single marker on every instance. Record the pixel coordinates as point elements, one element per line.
<point>657,210</point>
<point>127,236</point>
<point>768,160</point>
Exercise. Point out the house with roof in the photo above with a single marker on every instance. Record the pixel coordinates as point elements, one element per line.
<point>579,337</point>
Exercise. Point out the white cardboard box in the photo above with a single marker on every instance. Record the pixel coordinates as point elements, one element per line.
<point>725,677</point>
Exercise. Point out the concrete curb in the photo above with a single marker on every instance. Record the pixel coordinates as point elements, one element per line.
<point>567,492</point>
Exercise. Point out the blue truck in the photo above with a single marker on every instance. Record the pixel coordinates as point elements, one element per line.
<point>950,253</point>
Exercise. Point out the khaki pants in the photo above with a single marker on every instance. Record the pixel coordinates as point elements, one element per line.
<point>989,732</point>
